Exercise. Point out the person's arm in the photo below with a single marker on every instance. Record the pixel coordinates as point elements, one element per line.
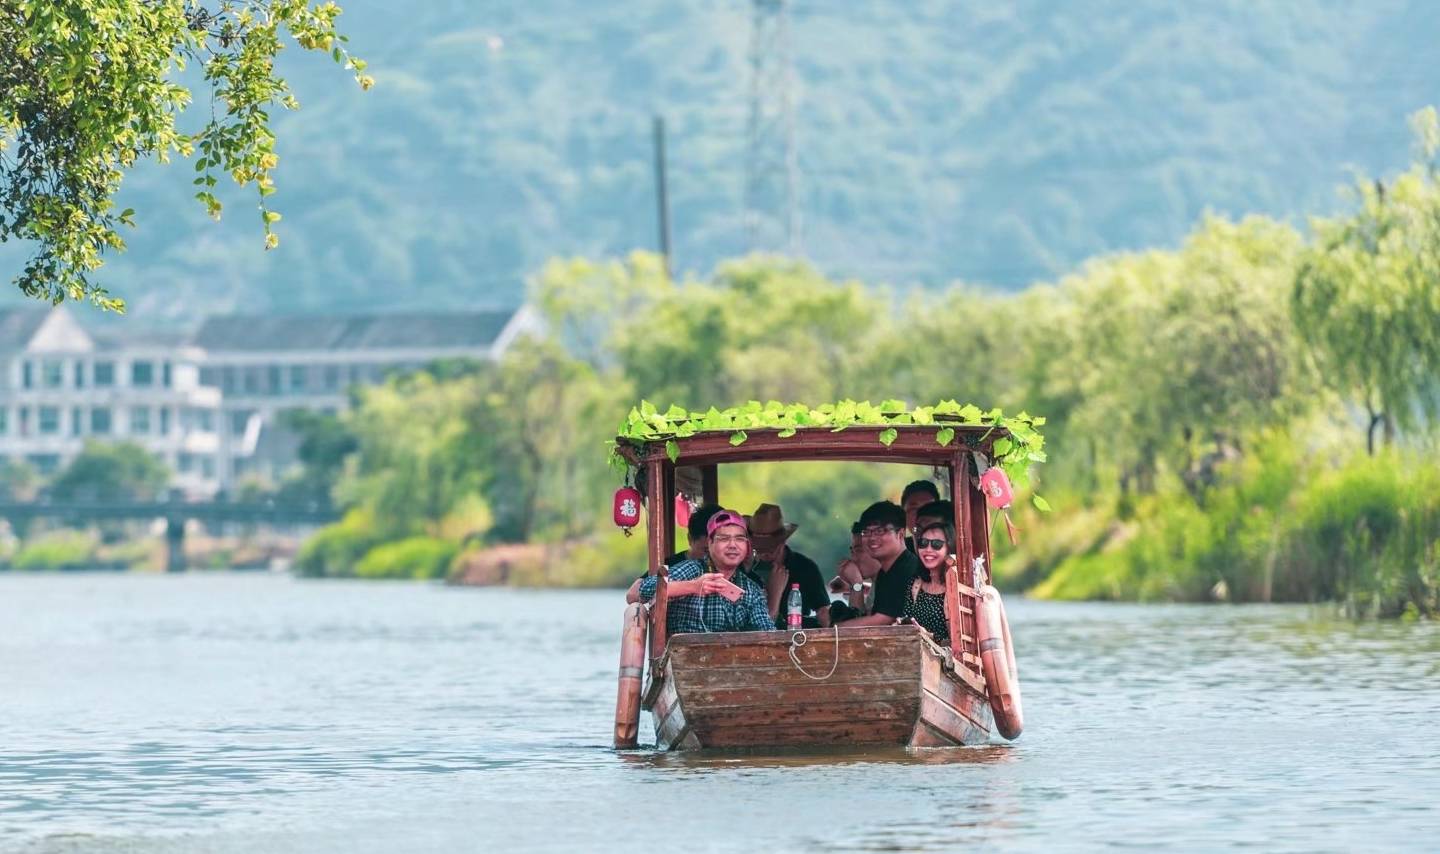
<point>756,614</point>
<point>876,619</point>
<point>677,586</point>
<point>823,616</point>
<point>633,594</point>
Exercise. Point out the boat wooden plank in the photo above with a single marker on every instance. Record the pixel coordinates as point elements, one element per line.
<point>782,638</point>
<point>780,735</point>
<point>761,676</point>
<point>853,711</point>
<point>945,718</point>
<point>798,696</point>
<point>926,735</point>
<point>813,653</point>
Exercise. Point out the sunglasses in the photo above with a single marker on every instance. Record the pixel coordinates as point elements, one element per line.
<point>936,545</point>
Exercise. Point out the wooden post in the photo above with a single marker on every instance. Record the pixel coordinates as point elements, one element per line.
<point>655,515</point>
<point>952,608</point>
<point>960,497</point>
<point>710,484</point>
<point>175,544</point>
<point>659,613</point>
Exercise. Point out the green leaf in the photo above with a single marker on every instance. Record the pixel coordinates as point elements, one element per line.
<point>945,436</point>
<point>1040,504</point>
<point>738,437</point>
<point>888,436</point>
<point>672,450</point>
<point>1003,446</point>
<point>786,433</point>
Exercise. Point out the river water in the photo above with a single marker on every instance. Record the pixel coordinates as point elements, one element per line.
<point>237,712</point>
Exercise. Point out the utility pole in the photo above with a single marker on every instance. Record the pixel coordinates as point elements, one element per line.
<point>662,194</point>
<point>772,216</point>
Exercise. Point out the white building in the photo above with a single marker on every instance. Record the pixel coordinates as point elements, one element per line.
<point>208,404</point>
<point>61,385</point>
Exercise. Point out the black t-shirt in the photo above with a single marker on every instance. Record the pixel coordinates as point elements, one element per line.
<point>893,585</point>
<point>804,572</point>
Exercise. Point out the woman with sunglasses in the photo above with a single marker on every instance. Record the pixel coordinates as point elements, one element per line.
<point>925,602</point>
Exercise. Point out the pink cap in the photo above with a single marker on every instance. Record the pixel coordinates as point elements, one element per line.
<point>723,518</point>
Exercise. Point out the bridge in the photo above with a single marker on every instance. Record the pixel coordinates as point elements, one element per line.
<point>175,513</point>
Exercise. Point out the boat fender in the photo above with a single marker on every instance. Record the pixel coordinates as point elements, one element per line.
<point>632,665</point>
<point>997,658</point>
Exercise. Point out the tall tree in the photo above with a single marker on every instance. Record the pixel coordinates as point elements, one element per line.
<point>88,87</point>
<point>1366,297</point>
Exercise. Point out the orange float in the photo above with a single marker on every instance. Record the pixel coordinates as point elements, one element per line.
<point>997,658</point>
<point>632,665</point>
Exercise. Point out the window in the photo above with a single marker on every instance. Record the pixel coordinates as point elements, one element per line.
<point>77,422</point>
<point>272,379</point>
<point>252,380</point>
<point>24,421</point>
<point>185,462</point>
<point>297,378</point>
<point>227,380</point>
<point>100,420</point>
<point>207,377</point>
<point>142,373</point>
<point>27,375</point>
<point>49,417</point>
<point>165,374</point>
<point>205,420</point>
<point>79,374</point>
<point>52,373</point>
<point>332,377</point>
<point>140,420</point>
<point>104,373</point>
<point>354,374</point>
<point>4,421</point>
<point>239,420</point>
<point>164,422</point>
<point>207,467</point>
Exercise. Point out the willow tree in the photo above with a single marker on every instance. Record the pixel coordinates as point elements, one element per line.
<point>1366,296</point>
<point>90,87</point>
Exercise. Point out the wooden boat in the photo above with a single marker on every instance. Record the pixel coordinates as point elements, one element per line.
<point>885,685</point>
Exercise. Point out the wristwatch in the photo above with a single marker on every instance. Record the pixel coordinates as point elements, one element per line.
<point>857,587</point>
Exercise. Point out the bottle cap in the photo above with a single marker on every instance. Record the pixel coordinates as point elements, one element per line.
<point>795,586</point>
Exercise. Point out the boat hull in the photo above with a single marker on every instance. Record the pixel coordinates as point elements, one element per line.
<point>890,685</point>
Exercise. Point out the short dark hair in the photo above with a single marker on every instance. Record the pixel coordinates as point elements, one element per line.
<point>942,509</point>
<point>699,518</point>
<point>856,528</point>
<point>920,486</point>
<point>883,513</point>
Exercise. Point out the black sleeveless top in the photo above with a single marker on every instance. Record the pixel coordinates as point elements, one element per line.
<point>928,609</point>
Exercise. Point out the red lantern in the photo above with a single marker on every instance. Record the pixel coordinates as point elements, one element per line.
<point>998,495</point>
<point>996,487</point>
<point>627,508</point>
<point>682,510</point>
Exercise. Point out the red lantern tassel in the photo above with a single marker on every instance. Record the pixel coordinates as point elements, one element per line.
<point>1010,529</point>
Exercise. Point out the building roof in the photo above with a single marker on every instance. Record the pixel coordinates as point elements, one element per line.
<point>459,330</point>
<point>19,324</point>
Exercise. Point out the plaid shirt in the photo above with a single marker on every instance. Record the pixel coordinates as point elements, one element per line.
<point>713,613</point>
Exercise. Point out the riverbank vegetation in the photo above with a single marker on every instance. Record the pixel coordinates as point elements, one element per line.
<point>1247,417</point>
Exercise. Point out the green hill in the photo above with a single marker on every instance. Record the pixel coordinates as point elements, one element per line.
<point>995,143</point>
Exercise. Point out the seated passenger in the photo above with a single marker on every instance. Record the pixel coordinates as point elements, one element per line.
<point>882,527</point>
<point>698,543</point>
<point>940,512</point>
<point>711,595</point>
<point>853,579</point>
<point>778,566</point>
<point>925,601</point>
<point>917,494</point>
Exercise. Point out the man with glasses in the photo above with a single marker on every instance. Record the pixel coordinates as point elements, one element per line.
<point>882,532</point>
<point>712,595</point>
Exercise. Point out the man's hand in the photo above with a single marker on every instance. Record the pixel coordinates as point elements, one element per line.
<point>712,584</point>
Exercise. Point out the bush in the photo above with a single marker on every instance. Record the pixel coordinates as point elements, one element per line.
<point>334,550</point>
<point>414,557</point>
<point>57,550</point>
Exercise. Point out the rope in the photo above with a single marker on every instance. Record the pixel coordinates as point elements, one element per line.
<point>798,640</point>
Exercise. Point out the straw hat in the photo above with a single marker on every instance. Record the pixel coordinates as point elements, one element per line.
<point>768,525</point>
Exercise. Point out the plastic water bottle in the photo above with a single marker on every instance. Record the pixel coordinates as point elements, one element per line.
<point>794,610</point>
